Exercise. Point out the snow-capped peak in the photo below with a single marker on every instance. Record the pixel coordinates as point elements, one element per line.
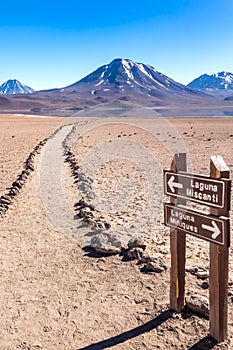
<point>124,78</point>
<point>13,87</point>
<point>224,75</point>
<point>218,81</point>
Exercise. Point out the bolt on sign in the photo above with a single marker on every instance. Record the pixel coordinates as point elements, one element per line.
<point>214,192</point>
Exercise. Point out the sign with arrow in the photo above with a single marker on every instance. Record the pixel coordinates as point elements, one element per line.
<point>197,188</point>
<point>205,226</point>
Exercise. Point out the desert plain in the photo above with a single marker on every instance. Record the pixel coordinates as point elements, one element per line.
<point>56,292</point>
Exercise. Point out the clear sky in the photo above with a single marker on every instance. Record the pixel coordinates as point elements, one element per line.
<point>48,44</point>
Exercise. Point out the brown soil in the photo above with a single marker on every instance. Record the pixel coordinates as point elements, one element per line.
<point>18,137</point>
<point>54,294</point>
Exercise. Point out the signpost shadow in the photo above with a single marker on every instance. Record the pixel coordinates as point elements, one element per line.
<point>205,343</point>
<point>132,333</point>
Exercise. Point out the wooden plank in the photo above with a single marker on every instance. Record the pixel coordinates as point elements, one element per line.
<point>197,188</point>
<point>198,223</point>
<point>178,249</point>
<point>219,261</point>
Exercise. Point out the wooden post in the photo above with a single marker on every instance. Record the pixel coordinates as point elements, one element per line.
<point>178,248</point>
<point>219,260</point>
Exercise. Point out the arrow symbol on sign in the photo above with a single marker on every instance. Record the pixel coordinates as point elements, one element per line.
<point>173,184</point>
<point>214,228</point>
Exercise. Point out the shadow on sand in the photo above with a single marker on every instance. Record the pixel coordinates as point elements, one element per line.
<point>205,343</point>
<point>121,338</point>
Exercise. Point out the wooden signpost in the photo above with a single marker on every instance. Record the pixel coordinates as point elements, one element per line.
<point>214,192</point>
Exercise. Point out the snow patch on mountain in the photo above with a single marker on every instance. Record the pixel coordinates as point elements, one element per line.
<point>101,82</point>
<point>127,67</point>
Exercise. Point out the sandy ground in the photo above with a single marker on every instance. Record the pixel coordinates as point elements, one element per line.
<point>56,295</point>
<point>18,136</point>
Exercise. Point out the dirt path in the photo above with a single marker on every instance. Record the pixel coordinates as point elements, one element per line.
<point>59,208</point>
<point>55,203</point>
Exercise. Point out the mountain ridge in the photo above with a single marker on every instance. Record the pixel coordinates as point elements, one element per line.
<point>121,80</point>
<point>218,81</point>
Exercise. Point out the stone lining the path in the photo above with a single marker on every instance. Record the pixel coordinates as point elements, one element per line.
<point>7,199</point>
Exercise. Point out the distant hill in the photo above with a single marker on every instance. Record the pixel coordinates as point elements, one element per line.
<point>14,87</point>
<point>229,98</point>
<point>219,81</point>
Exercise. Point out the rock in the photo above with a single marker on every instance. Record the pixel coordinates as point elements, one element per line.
<point>107,225</point>
<point>86,212</point>
<point>13,191</point>
<point>89,221</point>
<point>145,259</point>
<point>91,206</point>
<point>135,253</point>
<point>3,208</point>
<point>67,159</point>
<point>17,184</point>
<point>100,225</point>
<point>156,265</point>
<point>5,200</point>
<point>230,279</point>
<point>205,285</point>
<point>81,203</point>
<point>30,167</point>
<point>106,243</point>
<point>192,270</point>
<point>22,178</point>
<point>198,304</point>
<point>136,242</point>
<point>76,167</point>
<point>84,178</point>
<point>203,275</point>
<point>31,157</point>
<point>4,205</point>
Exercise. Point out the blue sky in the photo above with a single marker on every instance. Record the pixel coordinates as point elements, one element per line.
<point>48,44</point>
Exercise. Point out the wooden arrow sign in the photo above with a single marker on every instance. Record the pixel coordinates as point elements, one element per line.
<point>197,188</point>
<point>208,227</point>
